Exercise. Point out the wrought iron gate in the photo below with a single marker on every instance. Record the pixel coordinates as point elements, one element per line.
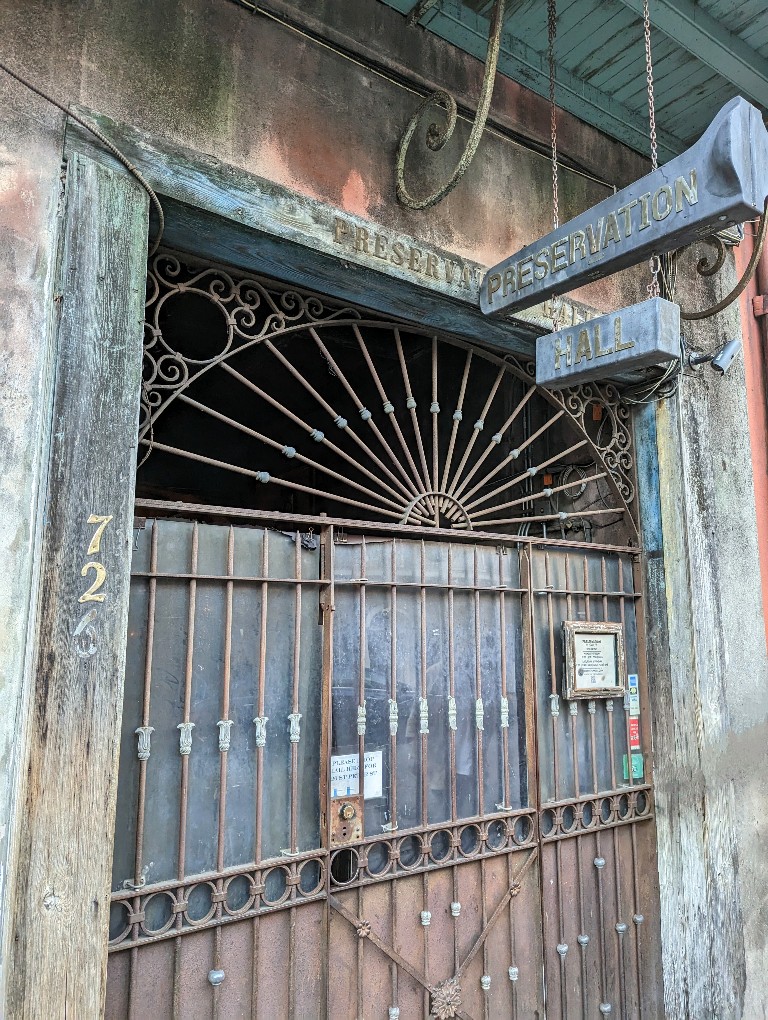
<point>350,785</point>
<point>495,832</point>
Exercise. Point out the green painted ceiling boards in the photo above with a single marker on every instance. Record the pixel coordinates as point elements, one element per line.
<point>703,54</point>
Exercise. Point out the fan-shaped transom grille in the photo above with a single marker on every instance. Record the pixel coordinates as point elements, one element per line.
<point>262,397</point>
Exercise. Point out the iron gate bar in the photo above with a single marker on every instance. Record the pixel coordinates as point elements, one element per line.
<point>553,677</point>
<point>393,676</point>
<point>637,916</point>
<point>410,403</point>
<point>457,418</point>
<point>483,457</point>
<point>582,927</point>
<point>525,475</point>
<point>324,441</point>
<point>637,919</point>
<point>503,666</point>
<point>259,477</point>
<point>327,609</point>
<point>237,578</point>
<point>454,486</point>
<point>424,736</point>
<point>185,727</point>
<point>410,488</point>
<point>478,697</point>
<point>460,489</point>
<point>575,708</point>
<point>261,712</point>
<point>614,953</point>
<point>452,687</point>
<point>609,701</point>
<point>513,891</point>
<point>279,446</point>
<point>620,946</point>
<point>601,927</point>
<point>139,878</point>
<point>358,924</point>
<point>171,507</point>
<point>396,870</point>
<point>334,414</point>
<point>622,616</point>
<point>188,670</point>
<point>234,871</point>
<point>414,486</point>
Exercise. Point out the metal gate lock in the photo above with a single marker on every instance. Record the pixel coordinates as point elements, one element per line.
<point>346,821</point>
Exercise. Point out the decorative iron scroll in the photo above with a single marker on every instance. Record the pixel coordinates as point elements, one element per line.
<point>437,137</point>
<point>339,419</point>
<point>597,410</point>
<point>705,268</point>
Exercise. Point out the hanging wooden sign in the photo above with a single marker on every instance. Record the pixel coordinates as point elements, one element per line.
<point>634,337</point>
<point>719,181</point>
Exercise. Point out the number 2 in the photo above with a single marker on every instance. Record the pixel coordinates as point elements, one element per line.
<point>101,574</point>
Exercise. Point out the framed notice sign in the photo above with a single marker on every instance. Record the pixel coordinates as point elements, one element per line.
<point>594,660</point>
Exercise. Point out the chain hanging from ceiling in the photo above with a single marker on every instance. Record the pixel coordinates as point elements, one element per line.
<point>654,289</point>
<point>437,136</point>
<point>556,302</point>
<point>666,268</point>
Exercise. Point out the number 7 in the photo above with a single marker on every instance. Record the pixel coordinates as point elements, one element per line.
<point>96,540</point>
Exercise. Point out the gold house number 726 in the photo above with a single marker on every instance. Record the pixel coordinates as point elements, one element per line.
<point>99,568</point>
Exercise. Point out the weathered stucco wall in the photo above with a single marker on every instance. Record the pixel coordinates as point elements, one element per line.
<point>710,687</point>
<point>268,99</point>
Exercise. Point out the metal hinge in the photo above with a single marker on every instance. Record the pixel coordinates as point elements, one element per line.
<point>760,305</point>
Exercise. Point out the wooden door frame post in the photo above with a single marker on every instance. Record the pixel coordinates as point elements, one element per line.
<point>67,809</point>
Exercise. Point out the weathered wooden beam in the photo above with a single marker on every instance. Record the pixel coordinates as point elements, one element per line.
<point>226,214</point>
<point>61,910</point>
<point>710,41</point>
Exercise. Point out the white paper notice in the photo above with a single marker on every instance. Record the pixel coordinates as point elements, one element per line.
<point>595,661</point>
<point>345,775</point>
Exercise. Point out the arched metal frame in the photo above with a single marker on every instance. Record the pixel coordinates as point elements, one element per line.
<point>393,465</point>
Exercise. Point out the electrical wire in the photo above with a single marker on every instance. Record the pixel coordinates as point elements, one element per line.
<point>104,141</point>
<point>660,387</point>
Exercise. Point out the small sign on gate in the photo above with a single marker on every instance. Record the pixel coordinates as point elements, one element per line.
<point>345,775</point>
<point>594,660</point>
<point>633,695</point>
<point>634,734</point>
